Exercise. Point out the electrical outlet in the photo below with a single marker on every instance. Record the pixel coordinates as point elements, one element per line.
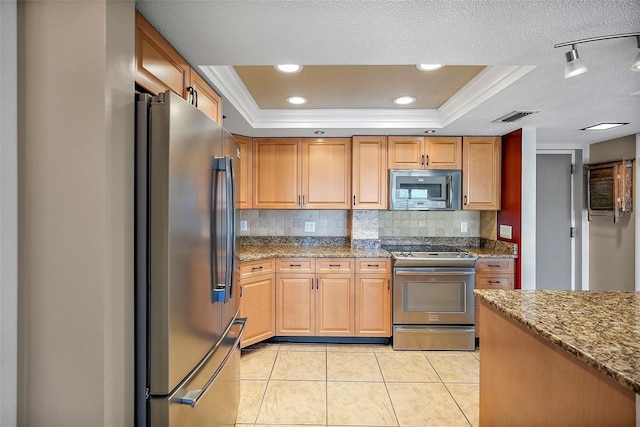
<point>464,227</point>
<point>310,227</point>
<point>243,226</point>
<point>505,231</point>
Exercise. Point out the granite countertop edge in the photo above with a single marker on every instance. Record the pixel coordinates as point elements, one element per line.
<point>618,376</point>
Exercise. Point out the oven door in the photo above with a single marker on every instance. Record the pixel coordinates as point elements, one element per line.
<point>433,296</point>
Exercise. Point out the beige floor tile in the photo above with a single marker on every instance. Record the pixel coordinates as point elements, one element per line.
<point>359,403</point>
<point>352,367</point>
<point>455,367</point>
<point>251,393</point>
<point>257,365</point>
<point>294,402</point>
<point>425,404</point>
<point>468,398</point>
<point>383,349</point>
<point>291,346</point>
<point>354,348</point>
<point>406,366</point>
<point>300,365</point>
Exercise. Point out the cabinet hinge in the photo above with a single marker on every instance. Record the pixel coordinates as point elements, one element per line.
<point>572,232</point>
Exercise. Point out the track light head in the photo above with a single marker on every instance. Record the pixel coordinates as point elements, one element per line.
<point>635,65</point>
<point>574,65</point>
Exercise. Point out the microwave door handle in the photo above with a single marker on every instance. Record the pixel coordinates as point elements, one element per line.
<point>449,191</point>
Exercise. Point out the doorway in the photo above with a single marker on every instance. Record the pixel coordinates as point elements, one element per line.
<point>555,221</point>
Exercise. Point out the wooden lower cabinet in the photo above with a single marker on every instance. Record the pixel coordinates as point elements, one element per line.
<point>310,304</point>
<point>493,273</point>
<point>257,301</point>
<point>373,297</point>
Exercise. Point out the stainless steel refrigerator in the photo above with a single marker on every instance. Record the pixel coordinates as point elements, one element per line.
<point>187,330</point>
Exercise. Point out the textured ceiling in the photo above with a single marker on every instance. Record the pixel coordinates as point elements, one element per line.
<point>495,33</point>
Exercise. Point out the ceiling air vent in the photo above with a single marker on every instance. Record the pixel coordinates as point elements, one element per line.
<point>513,116</point>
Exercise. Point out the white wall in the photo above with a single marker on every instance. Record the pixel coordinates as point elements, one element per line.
<point>528,263</point>
<point>8,213</point>
<point>76,213</point>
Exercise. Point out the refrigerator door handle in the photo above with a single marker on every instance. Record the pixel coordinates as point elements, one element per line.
<point>218,290</point>
<point>192,397</point>
<point>231,226</point>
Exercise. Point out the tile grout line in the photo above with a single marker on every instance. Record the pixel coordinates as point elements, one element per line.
<point>384,381</point>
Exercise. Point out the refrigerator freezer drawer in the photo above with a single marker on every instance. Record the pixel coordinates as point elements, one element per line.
<point>418,337</point>
<point>211,395</point>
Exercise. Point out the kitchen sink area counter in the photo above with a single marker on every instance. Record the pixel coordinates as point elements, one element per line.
<point>257,252</point>
<point>579,347</point>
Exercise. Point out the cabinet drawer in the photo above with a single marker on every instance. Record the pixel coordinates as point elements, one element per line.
<point>295,265</point>
<point>491,281</point>
<point>494,265</point>
<point>255,268</point>
<point>373,265</point>
<point>334,265</point>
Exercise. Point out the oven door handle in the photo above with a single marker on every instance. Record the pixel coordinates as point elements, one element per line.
<point>433,272</point>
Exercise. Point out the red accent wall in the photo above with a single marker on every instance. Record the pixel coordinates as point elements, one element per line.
<point>511,212</point>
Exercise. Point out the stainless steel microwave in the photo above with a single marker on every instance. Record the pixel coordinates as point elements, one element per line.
<point>425,190</point>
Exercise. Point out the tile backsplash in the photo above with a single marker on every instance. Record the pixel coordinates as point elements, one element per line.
<point>360,224</point>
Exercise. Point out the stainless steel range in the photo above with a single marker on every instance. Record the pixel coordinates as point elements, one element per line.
<point>433,307</point>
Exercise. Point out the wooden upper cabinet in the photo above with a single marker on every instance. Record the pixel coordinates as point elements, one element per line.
<point>206,99</point>
<point>417,152</point>
<point>443,152</point>
<point>159,67</point>
<point>244,182</point>
<point>481,172</point>
<point>294,173</point>
<point>326,173</point>
<point>369,172</point>
<point>276,173</point>
<point>406,152</point>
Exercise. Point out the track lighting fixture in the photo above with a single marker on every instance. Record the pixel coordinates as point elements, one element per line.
<point>575,66</point>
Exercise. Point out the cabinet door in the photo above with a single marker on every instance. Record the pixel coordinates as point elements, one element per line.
<point>257,304</point>
<point>481,173</point>
<point>295,307</point>
<point>276,173</point>
<point>158,66</point>
<point>443,152</point>
<point>369,172</point>
<point>207,100</point>
<point>406,152</point>
<point>243,183</point>
<point>335,305</point>
<point>373,305</point>
<point>326,173</point>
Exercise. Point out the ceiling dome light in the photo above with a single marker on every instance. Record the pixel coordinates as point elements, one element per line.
<point>404,100</point>
<point>428,67</point>
<point>297,100</point>
<point>574,65</point>
<point>288,68</point>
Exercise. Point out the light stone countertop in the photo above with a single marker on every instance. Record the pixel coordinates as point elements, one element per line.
<point>257,252</point>
<point>601,328</point>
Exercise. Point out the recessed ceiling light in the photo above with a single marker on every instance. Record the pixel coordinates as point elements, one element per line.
<point>428,131</point>
<point>428,67</point>
<point>288,68</point>
<point>403,100</point>
<point>297,100</point>
<point>319,132</point>
<point>604,126</point>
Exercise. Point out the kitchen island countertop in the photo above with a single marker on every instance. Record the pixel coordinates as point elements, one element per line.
<point>600,328</point>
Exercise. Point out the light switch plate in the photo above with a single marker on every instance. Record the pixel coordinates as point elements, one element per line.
<point>505,231</point>
<point>310,227</point>
<point>243,225</point>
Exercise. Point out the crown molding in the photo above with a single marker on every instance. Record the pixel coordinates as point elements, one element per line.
<point>486,84</point>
